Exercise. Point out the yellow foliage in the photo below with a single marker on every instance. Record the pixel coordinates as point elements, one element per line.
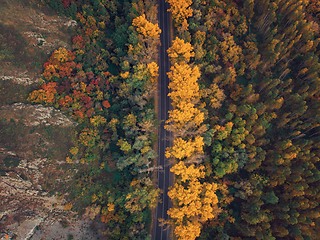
<point>146,28</point>
<point>229,126</point>
<point>231,73</point>
<point>184,26</point>
<point>61,55</point>
<point>94,198</point>
<point>180,10</point>
<point>88,137</point>
<point>79,52</point>
<point>134,182</point>
<point>124,145</point>
<point>102,165</point>
<point>137,200</point>
<point>41,95</point>
<point>125,90</point>
<point>200,37</point>
<point>195,202</point>
<point>112,124</point>
<point>145,149</point>
<point>180,51</point>
<point>290,155</point>
<point>182,149</point>
<point>44,95</point>
<point>241,29</point>
<point>153,68</point>
<point>230,51</point>
<point>130,120</point>
<point>183,83</point>
<point>98,120</point>
<point>189,231</point>
<point>99,95</point>
<point>68,160</point>
<point>187,173</point>
<point>91,20</point>
<point>124,75</point>
<point>74,150</point>
<point>68,206</point>
<point>102,25</point>
<point>215,94</point>
<point>184,113</point>
<point>111,207</point>
<point>83,87</point>
<point>231,219</point>
<point>81,18</point>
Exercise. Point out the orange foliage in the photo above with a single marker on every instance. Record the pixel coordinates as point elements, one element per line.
<point>106,104</point>
<point>88,137</point>
<point>60,64</point>
<point>106,218</point>
<point>44,95</point>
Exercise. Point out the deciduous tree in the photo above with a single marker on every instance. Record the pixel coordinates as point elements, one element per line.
<point>194,202</point>
<point>180,10</point>
<point>180,51</point>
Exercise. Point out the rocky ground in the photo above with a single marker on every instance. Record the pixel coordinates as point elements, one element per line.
<point>29,211</point>
<point>28,35</point>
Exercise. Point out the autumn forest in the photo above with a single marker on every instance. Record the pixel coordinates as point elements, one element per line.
<point>245,91</point>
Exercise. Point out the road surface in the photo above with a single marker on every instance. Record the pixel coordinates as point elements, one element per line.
<point>165,177</point>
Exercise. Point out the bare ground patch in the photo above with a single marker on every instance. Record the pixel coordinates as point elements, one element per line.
<point>28,36</point>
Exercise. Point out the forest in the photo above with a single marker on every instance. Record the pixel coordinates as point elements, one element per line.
<point>106,83</point>
<point>245,92</point>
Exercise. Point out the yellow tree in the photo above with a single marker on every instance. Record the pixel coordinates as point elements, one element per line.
<point>194,202</point>
<point>180,10</point>
<point>184,149</point>
<point>150,36</point>
<point>180,51</point>
<point>230,51</point>
<point>146,28</point>
<point>44,95</point>
<point>183,83</point>
<point>185,120</point>
<point>215,94</point>
<point>183,114</point>
<point>153,69</point>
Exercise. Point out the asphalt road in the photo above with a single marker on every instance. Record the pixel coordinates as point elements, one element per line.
<point>165,177</point>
